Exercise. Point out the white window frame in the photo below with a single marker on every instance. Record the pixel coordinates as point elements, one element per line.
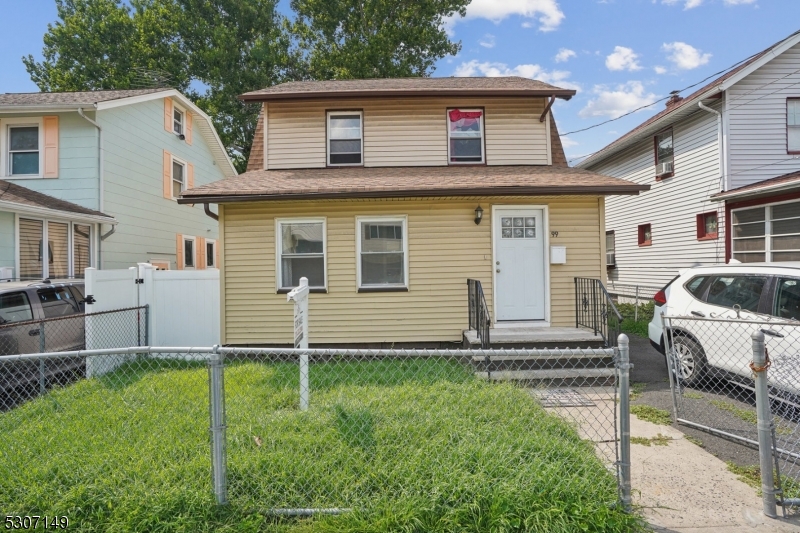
<point>403,219</point>
<point>278,250</point>
<point>483,136</point>
<point>194,252</point>
<point>768,251</point>
<point>182,111</point>
<point>793,101</point>
<point>213,256</point>
<point>328,137</point>
<point>185,165</point>
<point>46,239</point>
<point>5,145</point>
<point>613,251</point>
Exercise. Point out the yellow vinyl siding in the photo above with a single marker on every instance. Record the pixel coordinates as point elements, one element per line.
<point>406,132</point>
<point>445,248</point>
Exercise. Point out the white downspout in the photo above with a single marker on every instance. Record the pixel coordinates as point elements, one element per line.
<point>101,184</point>
<point>722,170</point>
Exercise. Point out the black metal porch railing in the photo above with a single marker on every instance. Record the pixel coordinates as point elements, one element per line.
<point>595,310</point>
<point>479,318</point>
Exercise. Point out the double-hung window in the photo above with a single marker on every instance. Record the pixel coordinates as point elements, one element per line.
<point>211,253</point>
<point>611,255</point>
<point>665,154</point>
<point>178,177</point>
<point>177,120</point>
<point>793,125</point>
<point>465,136</point>
<point>23,150</point>
<point>345,134</point>
<point>382,249</point>
<point>189,245</point>
<point>301,252</point>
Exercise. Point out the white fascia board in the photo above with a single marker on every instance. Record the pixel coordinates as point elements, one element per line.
<point>760,191</point>
<point>45,212</point>
<point>766,58</point>
<point>210,132</point>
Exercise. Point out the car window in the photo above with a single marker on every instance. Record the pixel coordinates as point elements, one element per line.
<point>787,298</point>
<point>15,307</point>
<point>695,286</point>
<point>744,291</point>
<point>77,292</point>
<point>57,301</point>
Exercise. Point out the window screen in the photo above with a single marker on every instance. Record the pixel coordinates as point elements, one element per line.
<point>344,134</point>
<point>382,253</point>
<point>748,235</point>
<point>23,150</point>
<point>302,250</point>
<point>465,132</point>
<point>178,179</point>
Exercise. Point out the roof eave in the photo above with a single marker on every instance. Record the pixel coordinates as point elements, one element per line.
<point>601,190</point>
<point>21,208</point>
<point>52,108</point>
<point>564,94</point>
<point>752,194</point>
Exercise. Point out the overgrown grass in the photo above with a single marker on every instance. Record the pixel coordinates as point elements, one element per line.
<point>658,440</point>
<point>652,414</point>
<point>751,475</point>
<point>416,445</point>
<point>747,415</point>
<point>632,326</point>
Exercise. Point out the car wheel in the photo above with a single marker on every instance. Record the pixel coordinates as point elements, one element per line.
<point>691,360</point>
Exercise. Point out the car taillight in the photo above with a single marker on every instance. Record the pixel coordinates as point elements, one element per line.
<point>660,297</point>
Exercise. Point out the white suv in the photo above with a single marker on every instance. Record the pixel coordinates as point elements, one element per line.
<point>765,292</point>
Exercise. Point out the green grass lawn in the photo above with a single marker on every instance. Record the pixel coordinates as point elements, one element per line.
<point>629,323</point>
<point>407,445</point>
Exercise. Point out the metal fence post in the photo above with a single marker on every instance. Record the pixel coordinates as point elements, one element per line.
<point>759,367</point>
<point>216,397</point>
<point>624,421</point>
<point>42,364</point>
<point>636,309</point>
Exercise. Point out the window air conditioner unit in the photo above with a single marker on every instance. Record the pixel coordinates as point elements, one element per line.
<point>664,168</point>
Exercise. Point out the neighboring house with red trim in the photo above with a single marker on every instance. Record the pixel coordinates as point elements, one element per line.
<point>106,168</point>
<point>740,130</point>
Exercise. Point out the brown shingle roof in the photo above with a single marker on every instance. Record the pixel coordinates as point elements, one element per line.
<point>11,192</point>
<point>70,98</point>
<point>393,182</point>
<point>502,86</point>
<point>787,181</point>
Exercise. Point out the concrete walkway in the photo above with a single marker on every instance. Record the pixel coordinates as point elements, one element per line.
<point>681,487</point>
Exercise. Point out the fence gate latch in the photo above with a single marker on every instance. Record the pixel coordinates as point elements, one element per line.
<point>139,281</point>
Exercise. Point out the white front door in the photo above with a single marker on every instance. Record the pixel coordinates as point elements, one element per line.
<point>519,264</point>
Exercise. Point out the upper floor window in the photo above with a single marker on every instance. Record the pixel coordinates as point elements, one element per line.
<point>177,120</point>
<point>665,156</point>
<point>645,236</point>
<point>23,150</point>
<point>793,125</point>
<point>465,135</point>
<point>345,145</point>
<point>178,178</point>
<point>707,226</point>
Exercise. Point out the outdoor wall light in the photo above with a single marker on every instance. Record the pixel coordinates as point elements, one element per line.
<point>478,215</point>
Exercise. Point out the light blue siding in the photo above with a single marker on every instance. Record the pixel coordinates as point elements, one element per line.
<point>7,240</point>
<point>135,140</point>
<point>77,180</point>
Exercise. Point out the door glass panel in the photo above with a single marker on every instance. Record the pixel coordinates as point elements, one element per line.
<point>57,236</point>
<point>787,299</point>
<point>745,291</point>
<point>30,249</point>
<point>15,307</point>
<point>57,302</point>
<point>80,249</point>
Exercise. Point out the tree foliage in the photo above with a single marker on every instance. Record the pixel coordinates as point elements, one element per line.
<point>215,50</point>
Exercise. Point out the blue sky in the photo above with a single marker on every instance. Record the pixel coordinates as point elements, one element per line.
<point>618,54</point>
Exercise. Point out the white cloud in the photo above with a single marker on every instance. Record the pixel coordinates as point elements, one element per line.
<point>615,102</point>
<point>564,54</point>
<point>659,69</point>
<point>487,41</point>
<point>546,12</point>
<point>739,2</point>
<point>493,70</point>
<point>685,56</point>
<point>566,142</point>
<point>623,58</point>
<point>688,4</point>
<point>527,24</point>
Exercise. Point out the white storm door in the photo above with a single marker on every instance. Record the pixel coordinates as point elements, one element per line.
<point>519,264</point>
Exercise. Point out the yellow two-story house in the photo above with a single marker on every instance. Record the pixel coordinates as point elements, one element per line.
<point>388,195</point>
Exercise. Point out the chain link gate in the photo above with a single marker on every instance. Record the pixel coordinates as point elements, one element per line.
<point>712,379</point>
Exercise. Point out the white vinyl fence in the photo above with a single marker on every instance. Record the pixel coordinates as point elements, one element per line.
<point>183,304</point>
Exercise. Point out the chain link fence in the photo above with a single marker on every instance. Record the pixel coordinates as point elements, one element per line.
<point>426,437</point>
<point>710,361</point>
<point>27,378</point>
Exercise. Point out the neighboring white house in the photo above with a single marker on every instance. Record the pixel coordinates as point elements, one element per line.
<point>124,156</point>
<point>740,129</point>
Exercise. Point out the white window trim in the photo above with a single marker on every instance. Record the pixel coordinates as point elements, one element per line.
<point>768,251</point>
<point>46,249</point>
<point>792,127</point>
<point>194,252</point>
<point>185,185</point>
<point>214,255</point>
<point>279,236</point>
<point>403,219</point>
<point>6,123</point>
<point>483,136</point>
<point>182,111</point>
<point>328,138</point>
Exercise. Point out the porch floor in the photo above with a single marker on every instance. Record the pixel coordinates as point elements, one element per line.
<point>537,337</point>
